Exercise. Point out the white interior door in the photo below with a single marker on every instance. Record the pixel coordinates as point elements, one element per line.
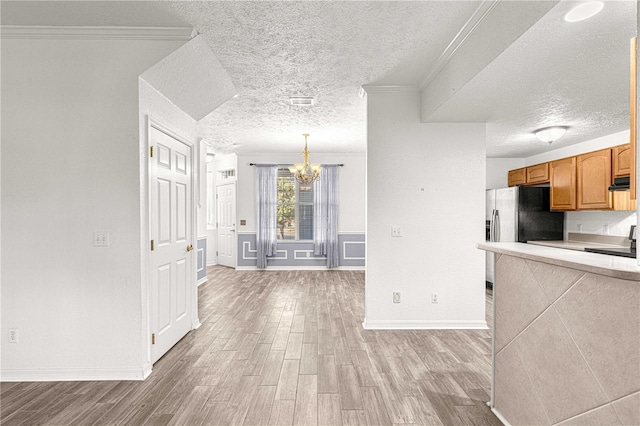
<point>226,201</point>
<point>171,230</point>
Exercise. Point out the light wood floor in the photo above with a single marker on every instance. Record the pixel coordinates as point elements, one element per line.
<point>282,348</point>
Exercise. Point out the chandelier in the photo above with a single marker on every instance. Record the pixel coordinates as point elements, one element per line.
<point>305,173</point>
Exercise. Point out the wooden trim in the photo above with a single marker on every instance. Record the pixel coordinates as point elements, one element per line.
<point>633,107</point>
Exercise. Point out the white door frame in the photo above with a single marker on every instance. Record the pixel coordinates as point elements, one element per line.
<point>145,228</point>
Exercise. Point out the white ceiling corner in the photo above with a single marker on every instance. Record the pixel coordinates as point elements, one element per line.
<point>96,32</point>
<point>192,78</point>
<point>483,10</point>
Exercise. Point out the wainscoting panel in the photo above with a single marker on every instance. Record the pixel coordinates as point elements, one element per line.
<point>300,253</point>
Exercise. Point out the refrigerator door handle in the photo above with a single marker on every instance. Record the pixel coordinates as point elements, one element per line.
<point>497,226</point>
<point>492,226</point>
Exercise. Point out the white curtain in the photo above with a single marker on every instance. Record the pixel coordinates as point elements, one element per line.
<point>325,215</point>
<point>266,207</point>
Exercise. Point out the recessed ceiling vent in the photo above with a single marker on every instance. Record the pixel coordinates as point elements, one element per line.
<point>302,100</point>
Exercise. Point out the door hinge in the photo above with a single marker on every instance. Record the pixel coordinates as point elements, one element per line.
<point>153,338</point>
<point>151,149</point>
<point>152,245</point>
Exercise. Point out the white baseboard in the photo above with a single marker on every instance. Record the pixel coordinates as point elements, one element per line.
<point>301,268</point>
<point>196,324</point>
<point>74,374</point>
<point>146,370</point>
<point>424,325</point>
<point>214,263</point>
<point>202,281</point>
<point>500,417</point>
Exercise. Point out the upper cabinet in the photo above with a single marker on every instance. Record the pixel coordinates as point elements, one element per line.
<point>621,155</point>
<point>594,179</point>
<point>563,184</point>
<point>517,177</point>
<point>538,173</point>
<point>532,175</point>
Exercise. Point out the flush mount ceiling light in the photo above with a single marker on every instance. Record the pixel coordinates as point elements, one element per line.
<point>584,11</point>
<point>302,100</point>
<point>550,134</point>
<point>305,173</point>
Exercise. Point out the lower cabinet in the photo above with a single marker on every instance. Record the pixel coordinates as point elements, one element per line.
<point>563,184</point>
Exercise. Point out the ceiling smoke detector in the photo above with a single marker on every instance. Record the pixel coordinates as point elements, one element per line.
<point>302,100</point>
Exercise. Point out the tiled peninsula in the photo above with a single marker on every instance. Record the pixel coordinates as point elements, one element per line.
<point>566,337</point>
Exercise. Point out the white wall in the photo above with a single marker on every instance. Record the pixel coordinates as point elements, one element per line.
<point>498,171</point>
<point>70,167</point>
<point>201,202</point>
<point>430,180</point>
<point>600,222</point>
<point>351,188</point>
<point>596,144</point>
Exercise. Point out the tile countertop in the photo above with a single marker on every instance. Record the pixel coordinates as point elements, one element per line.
<point>612,266</point>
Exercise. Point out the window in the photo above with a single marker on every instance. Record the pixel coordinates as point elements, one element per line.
<point>295,208</point>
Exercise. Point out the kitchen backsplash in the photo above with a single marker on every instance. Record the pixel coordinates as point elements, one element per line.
<point>599,222</point>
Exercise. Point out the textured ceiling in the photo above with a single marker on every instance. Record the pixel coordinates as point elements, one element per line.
<point>555,73</point>
<point>273,50</point>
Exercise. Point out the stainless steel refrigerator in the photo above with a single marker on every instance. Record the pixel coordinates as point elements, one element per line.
<point>520,213</point>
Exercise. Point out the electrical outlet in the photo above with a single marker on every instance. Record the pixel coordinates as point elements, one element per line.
<point>434,298</point>
<point>396,297</point>
<point>13,335</point>
<point>396,231</point>
<point>605,229</point>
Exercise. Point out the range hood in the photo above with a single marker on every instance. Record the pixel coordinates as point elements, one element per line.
<point>620,184</point>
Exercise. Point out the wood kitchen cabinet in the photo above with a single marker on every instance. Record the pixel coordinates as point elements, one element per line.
<point>538,174</point>
<point>563,184</point>
<point>621,156</point>
<point>517,177</point>
<point>594,179</point>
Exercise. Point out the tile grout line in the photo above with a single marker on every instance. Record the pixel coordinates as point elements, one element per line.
<point>526,371</point>
<point>541,313</point>
<point>604,392</point>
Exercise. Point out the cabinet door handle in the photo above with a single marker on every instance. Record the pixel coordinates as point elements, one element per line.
<point>189,247</point>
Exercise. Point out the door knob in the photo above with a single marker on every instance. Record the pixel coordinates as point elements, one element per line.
<point>189,247</point>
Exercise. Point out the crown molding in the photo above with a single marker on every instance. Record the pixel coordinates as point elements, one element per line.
<point>97,33</point>
<point>390,89</point>
<point>479,15</point>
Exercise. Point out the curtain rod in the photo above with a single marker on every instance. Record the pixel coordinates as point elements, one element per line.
<point>339,165</point>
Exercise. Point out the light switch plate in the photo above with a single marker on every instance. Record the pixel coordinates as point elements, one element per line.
<point>101,239</point>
